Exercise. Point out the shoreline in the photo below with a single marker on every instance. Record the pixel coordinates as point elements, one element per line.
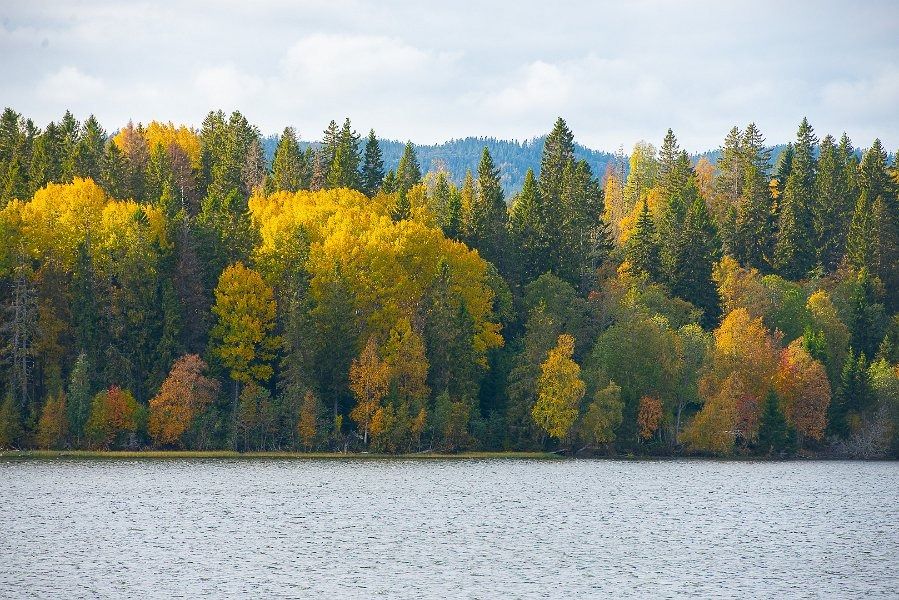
<point>288,455</point>
<point>230,454</point>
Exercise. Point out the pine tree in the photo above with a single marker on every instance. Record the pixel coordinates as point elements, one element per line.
<point>288,164</point>
<point>853,394</point>
<point>372,166</point>
<point>873,239</point>
<point>700,251</point>
<point>731,168</point>
<point>794,251</point>
<point>672,175</point>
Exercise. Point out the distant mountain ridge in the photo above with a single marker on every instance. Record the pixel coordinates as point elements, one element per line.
<point>513,158</point>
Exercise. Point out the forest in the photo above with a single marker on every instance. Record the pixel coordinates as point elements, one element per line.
<point>171,288</point>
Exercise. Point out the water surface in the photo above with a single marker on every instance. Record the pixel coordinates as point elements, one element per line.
<point>447,528</point>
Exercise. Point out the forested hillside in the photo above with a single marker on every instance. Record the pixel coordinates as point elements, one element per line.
<point>512,158</point>
<point>172,288</point>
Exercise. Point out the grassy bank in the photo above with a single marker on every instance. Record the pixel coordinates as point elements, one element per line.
<point>226,454</point>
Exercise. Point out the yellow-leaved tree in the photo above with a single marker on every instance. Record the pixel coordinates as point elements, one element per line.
<point>559,390</point>
<point>369,381</point>
<point>242,337</point>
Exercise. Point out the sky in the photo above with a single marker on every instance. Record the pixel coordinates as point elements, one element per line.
<point>618,72</point>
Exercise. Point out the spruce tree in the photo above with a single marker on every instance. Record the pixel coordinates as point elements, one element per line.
<point>775,435</point>
<point>558,154</point>
<point>114,171</point>
<point>344,170</point>
<point>642,248</point>
<point>488,213</point>
<point>288,164</point>
<point>832,207</point>
<point>89,150</point>
<point>408,172</point>
<point>527,224</point>
<point>372,166</point>
<point>751,239</point>
<point>794,250</point>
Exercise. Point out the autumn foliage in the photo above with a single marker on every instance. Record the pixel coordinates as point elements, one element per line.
<point>649,416</point>
<point>184,394</point>
<point>114,412</point>
<point>559,390</point>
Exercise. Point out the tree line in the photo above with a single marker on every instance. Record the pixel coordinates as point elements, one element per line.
<point>170,287</point>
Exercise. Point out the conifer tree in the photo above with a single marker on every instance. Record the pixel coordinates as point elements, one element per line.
<point>488,213</point>
<point>752,228</point>
<point>372,166</point>
<point>288,164</point>
<point>114,171</point>
<point>774,435</point>
<point>408,172</point>
<point>344,171</point>
<point>642,247</point>
<point>528,226</point>
<point>832,208</point>
<point>89,150</point>
<point>794,250</point>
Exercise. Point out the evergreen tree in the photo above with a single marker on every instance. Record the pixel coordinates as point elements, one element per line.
<point>78,399</point>
<point>832,208</point>
<point>558,153</point>
<point>672,175</point>
<point>854,395</point>
<point>528,226</point>
<point>288,164</point>
<point>330,142</point>
<point>90,149</point>
<point>372,166</point>
<point>752,227</point>
<point>775,435</point>
<point>408,173</point>
<point>642,247</point>
<point>794,251</point>
<point>488,213</point>
<point>70,133</point>
<point>344,172</point>
<point>46,161</point>
<point>114,171</point>
<point>699,252</point>
<point>731,168</point>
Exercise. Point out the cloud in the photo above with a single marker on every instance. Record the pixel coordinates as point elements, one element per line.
<point>69,85</point>
<point>335,62</point>
<point>617,71</point>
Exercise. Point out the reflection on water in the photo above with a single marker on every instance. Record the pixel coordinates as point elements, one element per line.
<point>448,528</point>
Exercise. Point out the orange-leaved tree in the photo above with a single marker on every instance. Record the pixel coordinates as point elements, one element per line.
<point>804,390</point>
<point>184,394</point>
<point>114,412</point>
<point>649,416</point>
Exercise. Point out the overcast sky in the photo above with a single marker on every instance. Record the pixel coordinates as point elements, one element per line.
<point>617,71</point>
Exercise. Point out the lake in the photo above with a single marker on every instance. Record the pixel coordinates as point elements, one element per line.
<point>448,528</point>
